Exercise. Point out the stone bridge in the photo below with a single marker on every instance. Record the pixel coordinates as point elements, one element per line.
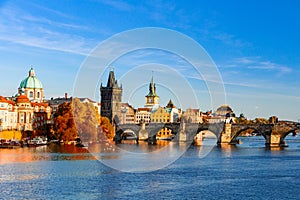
<point>184,132</point>
<point>274,134</point>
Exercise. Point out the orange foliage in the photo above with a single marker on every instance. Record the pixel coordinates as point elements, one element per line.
<point>107,127</point>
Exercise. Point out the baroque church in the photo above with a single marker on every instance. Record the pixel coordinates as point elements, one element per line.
<point>27,111</point>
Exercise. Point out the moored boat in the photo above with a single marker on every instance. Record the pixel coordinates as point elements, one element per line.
<point>38,141</point>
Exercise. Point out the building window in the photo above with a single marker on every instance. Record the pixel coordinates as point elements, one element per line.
<point>30,94</point>
<point>38,94</point>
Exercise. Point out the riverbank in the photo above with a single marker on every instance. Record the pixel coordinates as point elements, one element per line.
<point>16,135</point>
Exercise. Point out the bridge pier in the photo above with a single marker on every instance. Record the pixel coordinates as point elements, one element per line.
<point>182,132</point>
<point>198,139</point>
<point>117,138</point>
<point>274,140</point>
<point>152,140</point>
<point>226,135</point>
<point>143,133</point>
<point>186,132</point>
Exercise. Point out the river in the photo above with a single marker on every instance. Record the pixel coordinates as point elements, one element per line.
<point>245,171</point>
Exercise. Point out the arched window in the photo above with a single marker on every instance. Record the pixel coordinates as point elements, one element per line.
<point>30,94</point>
<point>38,94</point>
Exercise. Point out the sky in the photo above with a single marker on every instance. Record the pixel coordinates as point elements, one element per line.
<point>254,46</point>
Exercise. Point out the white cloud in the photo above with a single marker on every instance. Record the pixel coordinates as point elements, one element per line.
<point>22,28</point>
<point>257,63</point>
<point>119,5</point>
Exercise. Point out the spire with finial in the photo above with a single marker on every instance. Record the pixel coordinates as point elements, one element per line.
<point>112,82</point>
<point>152,88</point>
<point>31,72</point>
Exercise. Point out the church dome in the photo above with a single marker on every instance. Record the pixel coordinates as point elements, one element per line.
<point>31,81</point>
<point>225,110</point>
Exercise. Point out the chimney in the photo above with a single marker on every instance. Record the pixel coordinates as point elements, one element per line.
<point>66,95</point>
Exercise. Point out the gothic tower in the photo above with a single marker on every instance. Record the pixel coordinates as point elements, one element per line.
<point>152,98</point>
<point>111,98</point>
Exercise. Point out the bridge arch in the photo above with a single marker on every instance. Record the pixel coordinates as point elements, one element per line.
<point>294,131</point>
<point>238,133</point>
<point>216,128</point>
<point>128,134</point>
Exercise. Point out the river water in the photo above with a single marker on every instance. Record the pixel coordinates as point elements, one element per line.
<point>246,171</point>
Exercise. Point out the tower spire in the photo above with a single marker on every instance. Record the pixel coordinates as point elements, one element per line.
<point>152,97</point>
<point>152,81</point>
<point>152,88</point>
<point>111,82</point>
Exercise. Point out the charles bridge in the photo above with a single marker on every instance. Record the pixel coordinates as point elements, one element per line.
<point>226,133</point>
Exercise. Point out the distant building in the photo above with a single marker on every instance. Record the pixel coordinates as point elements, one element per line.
<point>8,114</point>
<point>25,113</point>
<point>143,115</point>
<point>224,111</point>
<point>168,114</point>
<point>128,114</point>
<point>175,114</point>
<point>152,99</point>
<point>223,114</point>
<point>193,115</point>
<point>111,98</point>
<point>162,115</point>
<point>55,102</point>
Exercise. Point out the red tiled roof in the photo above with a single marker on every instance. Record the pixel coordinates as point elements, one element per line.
<point>144,109</point>
<point>22,99</point>
<point>11,102</point>
<point>3,100</point>
<point>33,104</point>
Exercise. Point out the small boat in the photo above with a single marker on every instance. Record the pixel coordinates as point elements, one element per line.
<point>10,144</point>
<point>82,145</point>
<point>38,141</point>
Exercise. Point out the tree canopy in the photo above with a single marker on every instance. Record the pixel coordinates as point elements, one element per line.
<point>106,128</point>
<point>77,119</point>
<point>64,126</point>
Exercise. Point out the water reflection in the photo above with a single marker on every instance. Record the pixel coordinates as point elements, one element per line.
<point>133,156</point>
<point>50,152</point>
<point>227,149</point>
<point>140,157</point>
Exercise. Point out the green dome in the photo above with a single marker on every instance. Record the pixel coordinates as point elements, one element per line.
<point>31,81</point>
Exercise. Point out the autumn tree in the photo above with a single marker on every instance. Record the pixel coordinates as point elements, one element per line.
<point>106,128</point>
<point>86,120</point>
<point>64,126</point>
<point>73,119</point>
<point>261,121</point>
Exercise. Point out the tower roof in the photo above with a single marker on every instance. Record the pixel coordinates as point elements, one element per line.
<point>31,81</point>
<point>112,82</point>
<point>170,104</point>
<point>152,88</point>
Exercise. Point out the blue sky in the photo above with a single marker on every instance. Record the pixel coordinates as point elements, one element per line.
<point>254,44</point>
